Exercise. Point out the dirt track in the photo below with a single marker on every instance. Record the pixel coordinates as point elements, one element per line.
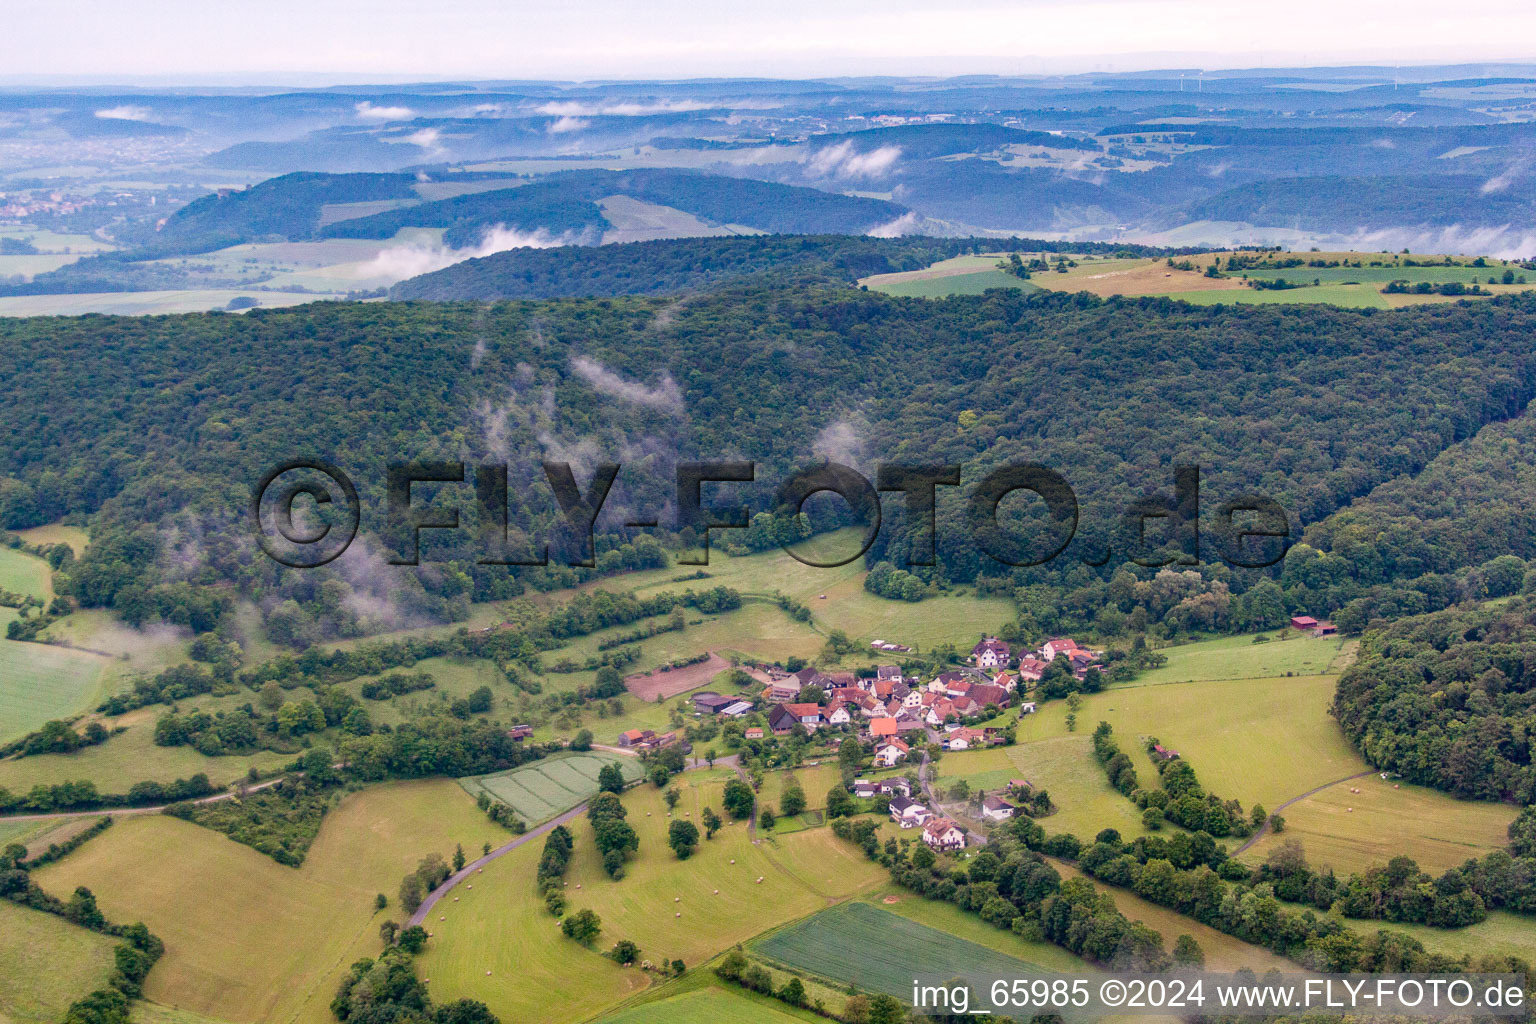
<point>664,683</point>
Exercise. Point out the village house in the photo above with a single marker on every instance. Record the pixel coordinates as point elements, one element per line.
<point>837,714</point>
<point>890,673</point>
<point>1031,668</point>
<point>995,808</point>
<point>990,653</point>
<point>782,690</point>
<point>1057,645</point>
<point>989,693</point>
<point>783,718</point>
<point>896,785</point>
<point>891,752</point>
<point>907,812</point>
<point>943,834</point>
<point>882,728</point>
<point>965,739</point>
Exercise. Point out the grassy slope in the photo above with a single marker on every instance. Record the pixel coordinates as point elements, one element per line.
<point>1238,657</point>
<point>501,928</point>
<point>47,963</point>
<point>250,940</point>
<point>1352,831</point>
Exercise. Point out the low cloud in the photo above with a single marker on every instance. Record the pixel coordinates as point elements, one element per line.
<point>843,161</point>
<point>124,113</point>
<point>400,262</point>
<point>567,124</point>
<point>907,224</point>
<point>1500,182</point>
<point>665,396</point>
<point>368,112</point>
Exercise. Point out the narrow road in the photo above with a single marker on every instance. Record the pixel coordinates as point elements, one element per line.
<point>501,851</point>
<point>1264,828</point>
<point>973,837</point>
<point>475,865</point>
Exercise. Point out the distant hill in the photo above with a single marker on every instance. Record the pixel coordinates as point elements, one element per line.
<point>671,266</point>
<point>567,202</point>
<point>279,209</point>
<point>1329,203</point>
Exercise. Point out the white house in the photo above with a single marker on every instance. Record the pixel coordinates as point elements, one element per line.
<point>943,834</point>
<point>997,809</point>
<point>1057,645</point>
<point>907,812</point>
<point>838,715</point>
<point>890,753</point>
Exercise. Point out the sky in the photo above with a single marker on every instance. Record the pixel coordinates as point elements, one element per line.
<point>309,41</point>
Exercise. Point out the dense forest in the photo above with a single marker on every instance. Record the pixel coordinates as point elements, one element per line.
<point>673,265</point>
<point>157,429</point>
<point>1448,700</point>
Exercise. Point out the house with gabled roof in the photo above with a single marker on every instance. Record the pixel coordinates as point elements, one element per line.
<point>907,812</point>
<point>995,808</point>
<point>943,834</point>
<point>891,752</point>
<point>990,653</point>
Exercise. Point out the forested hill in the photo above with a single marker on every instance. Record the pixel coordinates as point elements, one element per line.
<point>1446,700</point>
<point>158,427</point>
<point>673,265</point>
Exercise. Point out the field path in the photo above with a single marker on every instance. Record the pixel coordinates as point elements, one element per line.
<point>501,851</point>
<point>1264,828</point>
<point>475,865</point>
<point>117,812</point>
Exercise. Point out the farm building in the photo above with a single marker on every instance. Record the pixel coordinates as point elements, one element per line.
<point>520,732</point>
<point>753,732</point>
<point>1303,622</point>
<point>711,703</point>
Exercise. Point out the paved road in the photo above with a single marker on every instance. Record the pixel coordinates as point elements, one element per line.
<point>1264,828</point>
<point>974,836</point>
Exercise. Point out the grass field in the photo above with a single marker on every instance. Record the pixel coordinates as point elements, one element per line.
<point>247,939</point>
<point>501,927</point>
<point>1263,740</point>
<point>711,1005</point>
<point>131,757</point>
<point>56,533</point>
<point>544,789</point>
<point>47,963</point>
<point>39,682</point>
<point>1353,831</point>
<point>973,283</point>
<point>1503,934</point>
<point>1238,657</point>
<point>963,925</point>
<point>856,943</point>
<point>25,574</point>
<point>145,303</point>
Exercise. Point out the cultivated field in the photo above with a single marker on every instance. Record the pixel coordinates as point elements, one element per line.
<point>540,791</point>
<point>47,963</point>
<point>661,683</point>
<point>856,943</point>
<point>146,303</point>
<point>670,907</point>
<point>250,940</point>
